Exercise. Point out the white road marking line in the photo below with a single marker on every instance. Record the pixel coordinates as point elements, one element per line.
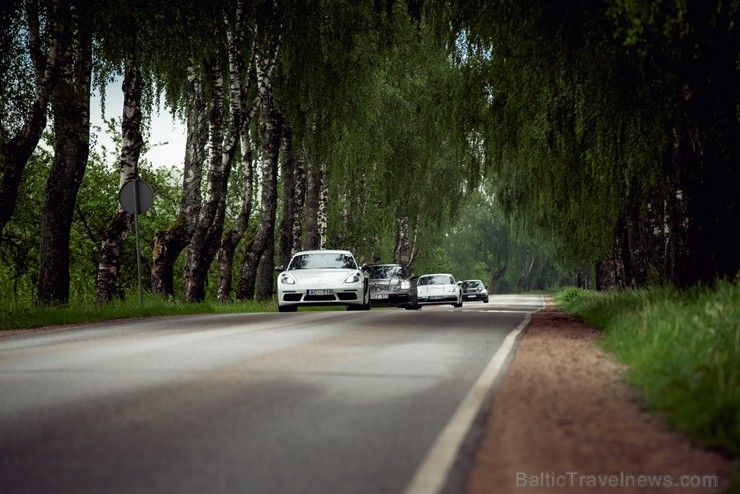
<point>432,474</point>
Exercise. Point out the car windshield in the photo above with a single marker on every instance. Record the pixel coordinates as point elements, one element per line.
<point>440,279</point>
<point>386,272</point>
<point>472,284</point>
<point>323,260</point>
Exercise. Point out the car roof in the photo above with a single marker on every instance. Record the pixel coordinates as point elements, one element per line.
<point>323,251</point>
<point>436,274</point>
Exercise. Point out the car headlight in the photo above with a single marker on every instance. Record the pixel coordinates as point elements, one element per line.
<point>452,289</point>
<point>405,285</point>
<point>353,278</point>
<point>287,279</point>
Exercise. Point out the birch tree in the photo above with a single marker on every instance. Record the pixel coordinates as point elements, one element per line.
<point>168,244</point>
<point>264,53</point>
<point>71,110</point>
<point>23,123</point>
<point>298,198</point>
<point>203,244</point>
<point>311,233</point>
<point>270,137</point>
<point>120,226</point>
<point>288,172</point>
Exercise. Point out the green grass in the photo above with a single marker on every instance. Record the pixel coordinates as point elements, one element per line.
<point>682,350</point>
<point>80,313</point>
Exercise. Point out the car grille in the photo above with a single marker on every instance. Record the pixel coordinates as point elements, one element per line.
<point>298,297</point>
<point>319,298</point>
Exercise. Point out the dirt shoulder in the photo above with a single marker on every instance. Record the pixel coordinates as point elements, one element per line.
<point>564,421</point>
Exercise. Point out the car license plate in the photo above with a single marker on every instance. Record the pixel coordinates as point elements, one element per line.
<point>327,291</point>
<point>378,296</point>
<point>471,296</point>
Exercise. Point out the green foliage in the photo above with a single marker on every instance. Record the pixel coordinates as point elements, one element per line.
<point>682,350</point>
<point>97,202</point>
<point>16,72</point>
<point>568,120</point>
<point>19,242</point>
<point>396,150</point>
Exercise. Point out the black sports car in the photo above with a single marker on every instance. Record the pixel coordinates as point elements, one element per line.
<point>474,290</point>
<point>391,285</point>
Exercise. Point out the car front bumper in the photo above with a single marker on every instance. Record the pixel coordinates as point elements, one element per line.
<point>438,299</point>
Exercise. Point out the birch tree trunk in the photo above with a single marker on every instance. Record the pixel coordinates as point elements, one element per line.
<point>200,251</point>
<point>71,108</point>
<point>285,240</point>
<point>322,214</point>
<point>312,237</point>
<point>406,249</point>
<point>118,229</point>
<point>14,153</point>
<point>266,273</point>
<point>169,243</point>
<point>521,281</point>
<point>270,129</point>
<point>233,236</point>
<point>495,277</point>
<point>299,199</point>
<point>264,56</point>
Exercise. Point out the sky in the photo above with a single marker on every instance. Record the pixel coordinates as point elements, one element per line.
<point>167,139</point>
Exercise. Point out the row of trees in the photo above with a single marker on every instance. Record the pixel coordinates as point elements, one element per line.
<point>613,131</point>
<point>605,131</point>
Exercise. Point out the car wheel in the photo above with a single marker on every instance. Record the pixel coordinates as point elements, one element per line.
<point>287,308</point>
<point>366,304</point>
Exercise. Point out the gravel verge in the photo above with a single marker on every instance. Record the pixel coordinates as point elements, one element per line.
<point>563,420</point>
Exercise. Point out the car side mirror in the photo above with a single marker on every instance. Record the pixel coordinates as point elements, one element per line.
<point>279,268</point>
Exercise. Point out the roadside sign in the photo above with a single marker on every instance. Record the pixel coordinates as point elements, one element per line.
<point>136,197</point>
<point>135,192</point>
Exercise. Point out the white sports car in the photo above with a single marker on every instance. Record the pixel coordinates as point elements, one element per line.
<point>322,277</point>
<point>438,289</point>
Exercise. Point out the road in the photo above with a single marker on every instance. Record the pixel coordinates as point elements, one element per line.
<point>309,402</point>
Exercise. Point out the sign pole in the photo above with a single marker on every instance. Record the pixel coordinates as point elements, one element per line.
<point>136,228</point>
<point>136,197</point>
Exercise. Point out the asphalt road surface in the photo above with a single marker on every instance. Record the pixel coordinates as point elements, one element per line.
<point>306,402</point>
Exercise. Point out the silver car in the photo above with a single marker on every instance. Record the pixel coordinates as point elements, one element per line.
<point>322,277</point>
<point>438,289</point>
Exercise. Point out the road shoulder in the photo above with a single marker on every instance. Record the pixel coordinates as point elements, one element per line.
<point>563,420</point>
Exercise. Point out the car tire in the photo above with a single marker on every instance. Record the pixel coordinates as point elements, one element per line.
<point>287,308</point>
<point>366,305</point>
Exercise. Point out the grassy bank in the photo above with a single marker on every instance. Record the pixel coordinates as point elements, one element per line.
<point>682,349</point>
<point>79,313</point>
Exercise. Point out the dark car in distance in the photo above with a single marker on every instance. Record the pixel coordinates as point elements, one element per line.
<point>392,285</point>
<point>474,290</point>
